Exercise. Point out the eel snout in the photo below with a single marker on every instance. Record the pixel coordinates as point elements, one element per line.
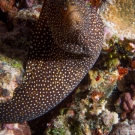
<point>75,26</point>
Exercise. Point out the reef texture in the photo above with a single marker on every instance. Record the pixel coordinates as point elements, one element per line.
<point>56,63</point>
<point>103,80</point>
<point>110,85</point>
<point>79,118</point>
<point>14,46</point>
<point>124,128</point>
<point>15,129</point>
<point>96,113</point>
<point>125,104</point>
<point>118,17</point>
<point>10,78</point>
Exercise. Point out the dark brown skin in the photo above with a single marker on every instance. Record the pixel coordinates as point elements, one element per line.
<point>65,45</point>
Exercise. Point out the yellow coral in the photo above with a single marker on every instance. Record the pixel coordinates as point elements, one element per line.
<point>119,16</point>
<point>93,75</point>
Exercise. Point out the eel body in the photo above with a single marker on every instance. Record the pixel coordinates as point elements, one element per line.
<point>65,44</point>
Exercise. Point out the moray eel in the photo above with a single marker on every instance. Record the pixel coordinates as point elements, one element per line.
<point>65,44</point>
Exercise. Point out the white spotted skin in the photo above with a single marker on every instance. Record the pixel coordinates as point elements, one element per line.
<point>51,74</point>
<point>75,27</point>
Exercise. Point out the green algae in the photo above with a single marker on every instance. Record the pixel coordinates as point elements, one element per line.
<point>56,131</point>
<point>75,128</point>
<point>12,62</point>
<point>112,63</point>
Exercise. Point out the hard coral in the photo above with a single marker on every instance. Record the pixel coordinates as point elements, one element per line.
<point>118,16</point>
<point>8,6</point>
<point>109,118</point>
<point>125,83</point>
<point>125,105</point>
<point>10,78</point>
<point>15,129</point>
<point>103,81</point>
<point>123,128</point>
<point>96,96</point>
<point>26,3</point>
<point>86,115</point>
<point>29,3</point>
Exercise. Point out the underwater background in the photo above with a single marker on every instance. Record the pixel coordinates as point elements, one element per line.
<point>103,102</point>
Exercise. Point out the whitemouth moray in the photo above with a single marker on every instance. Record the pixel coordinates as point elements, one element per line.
<point>65,44</point>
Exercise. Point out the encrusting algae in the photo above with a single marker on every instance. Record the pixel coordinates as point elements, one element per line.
<point>119,18</point>
<point>65,44</point>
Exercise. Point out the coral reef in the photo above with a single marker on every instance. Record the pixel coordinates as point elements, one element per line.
<point>9,10</point>
<point>15,44</point>
<point>116,63</point>
<point>14,49</point>
<point>103,81</point>
<point>124,128</point>
<point>126,101</point>
<point>13,6</point>
<point>28,3</point>
<point>79,119</point>
<point>16,129</point>
<point>8,6</point>
<point>118,17</point>
<point>10,78</point>
<point>125,83</point>
<point>88,113</point>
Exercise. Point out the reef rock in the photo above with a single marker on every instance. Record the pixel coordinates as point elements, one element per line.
<point>118,17</point>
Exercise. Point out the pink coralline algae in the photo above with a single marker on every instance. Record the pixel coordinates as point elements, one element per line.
<point>10,78</point>
<point>127,104</point>
<point>29,3</point>
<point>16,129</point>
<point>123,128</point>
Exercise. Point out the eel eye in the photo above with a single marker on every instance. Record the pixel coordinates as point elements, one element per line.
<point>72,3</point>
